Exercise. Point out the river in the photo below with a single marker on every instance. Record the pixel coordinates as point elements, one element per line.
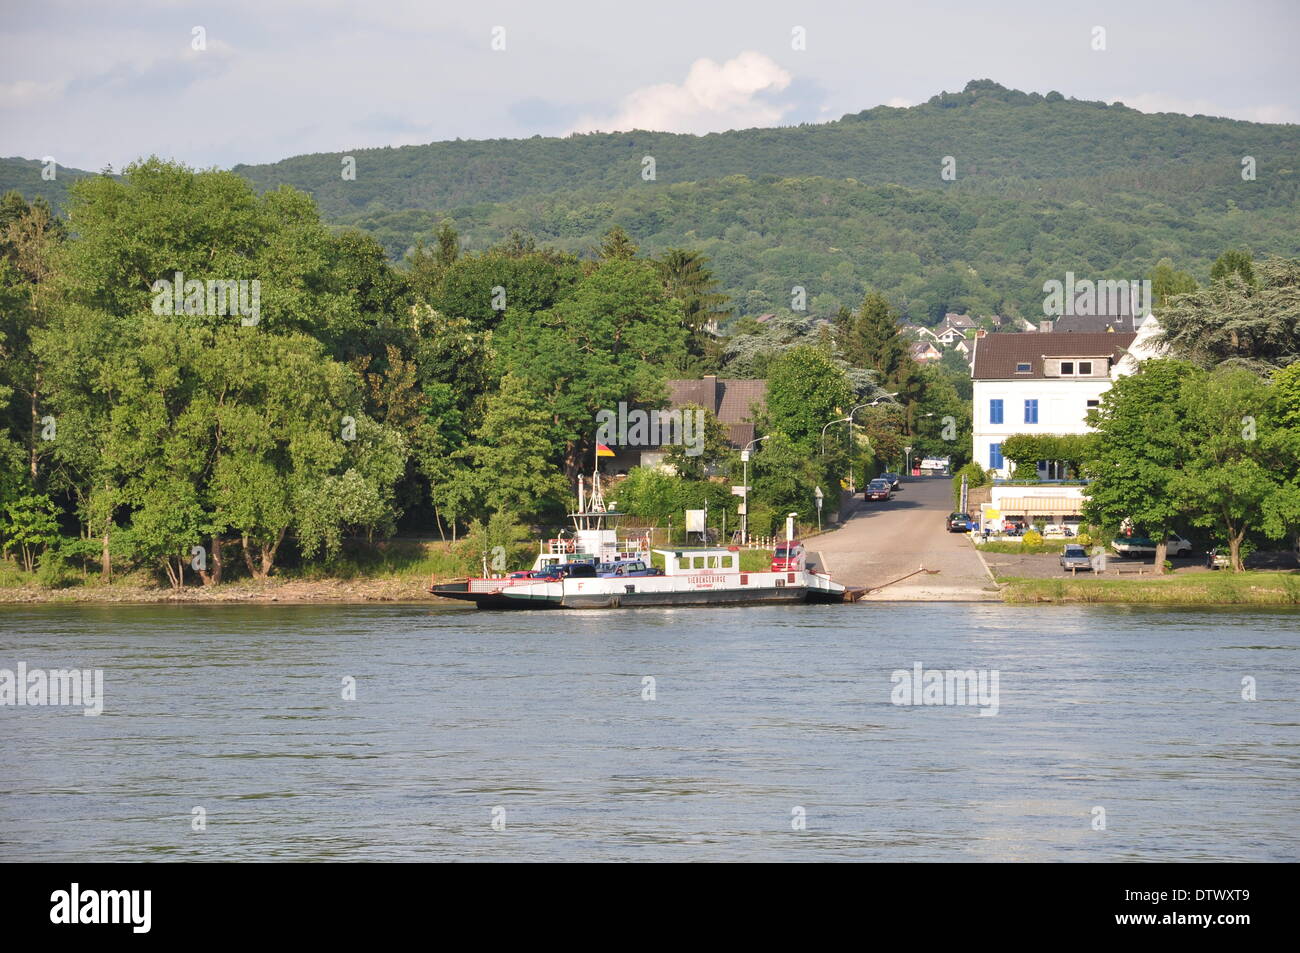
<point>766,734</point>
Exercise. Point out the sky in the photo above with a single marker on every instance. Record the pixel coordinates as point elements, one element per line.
<point>96,84</point>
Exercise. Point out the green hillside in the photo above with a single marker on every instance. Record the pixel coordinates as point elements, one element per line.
<point>992,132</point>
<point>1043,185</point>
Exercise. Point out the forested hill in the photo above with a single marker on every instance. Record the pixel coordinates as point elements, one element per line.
<point>1043,185</point>
<point>993,134</point>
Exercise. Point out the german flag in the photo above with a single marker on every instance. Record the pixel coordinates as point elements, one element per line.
<point>603,451</point>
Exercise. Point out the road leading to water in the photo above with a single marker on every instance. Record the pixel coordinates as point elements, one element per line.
<point>883,541</point>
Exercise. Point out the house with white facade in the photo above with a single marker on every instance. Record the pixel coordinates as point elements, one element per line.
<point>953,328</point>
<point>1041,383</point>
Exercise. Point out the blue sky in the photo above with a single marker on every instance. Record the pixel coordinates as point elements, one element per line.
<point>97,83</point>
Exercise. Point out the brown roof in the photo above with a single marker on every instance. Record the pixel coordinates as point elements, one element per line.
<point>1076,323</point>
<point>727,399</point>
<point>997,355</point>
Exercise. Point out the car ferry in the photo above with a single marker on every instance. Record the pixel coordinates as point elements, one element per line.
<point>573,572</point>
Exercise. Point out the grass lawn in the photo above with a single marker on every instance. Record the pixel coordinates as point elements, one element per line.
<point>1207,588</point>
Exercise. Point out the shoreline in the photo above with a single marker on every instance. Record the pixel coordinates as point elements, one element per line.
<point>327,591</point>
<point>1256,588</point>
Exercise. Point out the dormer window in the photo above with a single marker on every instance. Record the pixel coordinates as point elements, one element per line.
<point>1067,367</point>
<point>1085,368</point>
<point>1024,367</point>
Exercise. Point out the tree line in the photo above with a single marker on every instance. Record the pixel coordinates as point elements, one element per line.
<point>457,393</point>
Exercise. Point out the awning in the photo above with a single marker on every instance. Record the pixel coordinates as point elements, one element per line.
<point>1046,505</point>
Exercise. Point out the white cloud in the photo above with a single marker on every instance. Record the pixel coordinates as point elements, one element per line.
<point>713,98</point>
<point>1163,103</point>
<point>27,92</point>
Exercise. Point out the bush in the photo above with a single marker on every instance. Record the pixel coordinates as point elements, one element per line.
<point>1084,539</point>
<point>975,476</point>
<point>1032,538</point>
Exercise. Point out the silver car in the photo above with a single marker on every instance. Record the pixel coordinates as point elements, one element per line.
<point>1074,557</point>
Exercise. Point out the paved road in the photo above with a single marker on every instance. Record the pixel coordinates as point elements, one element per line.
<point>882,541</point>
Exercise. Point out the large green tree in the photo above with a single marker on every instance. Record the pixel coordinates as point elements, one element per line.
<point>605,343</point>
<point>1140,450</point>
<point>1255,326</point>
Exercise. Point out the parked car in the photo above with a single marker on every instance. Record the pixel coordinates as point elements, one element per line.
<point>877,490</point>
<point>891,478</point>
<point>959,522</point>
<point>626,567</point>
<point>1074,557</point>
<point>1217,560</point>
<point>1129,546</point>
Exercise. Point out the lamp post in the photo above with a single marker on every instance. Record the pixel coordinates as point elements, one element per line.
<point>744,517</point>
<point>838,420</point>
<point>870,403</point>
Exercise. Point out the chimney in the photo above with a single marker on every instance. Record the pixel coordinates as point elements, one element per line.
<point>1045,327</point>
<point>711,382</point>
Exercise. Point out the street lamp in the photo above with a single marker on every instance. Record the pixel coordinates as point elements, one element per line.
<point>871,403</point>
<point>839,420</point>
<point>744,517</point>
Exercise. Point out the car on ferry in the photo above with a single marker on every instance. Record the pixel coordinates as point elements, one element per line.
<point>789,556</point>
<point>626,567</point>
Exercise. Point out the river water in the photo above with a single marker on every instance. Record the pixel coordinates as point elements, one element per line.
<point>766,734</point>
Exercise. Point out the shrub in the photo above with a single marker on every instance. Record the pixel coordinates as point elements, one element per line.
<point>1032,538</point>
<point>975,476</point>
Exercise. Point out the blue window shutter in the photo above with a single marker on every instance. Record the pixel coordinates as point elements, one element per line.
<point>1031,411</point>
<point>995,456</point>
<point>995,411</point>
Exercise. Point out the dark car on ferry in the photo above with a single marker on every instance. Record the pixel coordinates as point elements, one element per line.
<point>877,490</point>
<point>573,570</point>
<point>627,567</point>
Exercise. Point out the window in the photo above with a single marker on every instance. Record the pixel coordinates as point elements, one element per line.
<point>1067,367</point>
<point>728,562</point>
<point>698,562</point>
<point>713,562</point>
<point>995,456</point>
<point>995,411</point>
<point>1024,368</point>
<point>1031,411</point>
<point>1093,403</point>
<point>1085,368</point>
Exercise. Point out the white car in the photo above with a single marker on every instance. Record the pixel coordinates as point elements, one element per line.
<point>1128,546</point>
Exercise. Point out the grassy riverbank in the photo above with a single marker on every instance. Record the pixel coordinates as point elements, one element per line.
<point>396,571</point>
<point>1219,588</point>
<point>393,571</point>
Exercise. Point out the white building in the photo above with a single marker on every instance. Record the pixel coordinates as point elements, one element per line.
<point>1045,383</point>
